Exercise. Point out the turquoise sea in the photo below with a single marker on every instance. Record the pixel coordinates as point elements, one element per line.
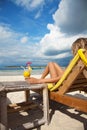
<point>12,71</point>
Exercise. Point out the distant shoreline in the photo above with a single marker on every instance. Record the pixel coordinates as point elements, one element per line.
<point>33,67</point>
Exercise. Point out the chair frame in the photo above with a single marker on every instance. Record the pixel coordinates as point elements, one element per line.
<point>61,95</point>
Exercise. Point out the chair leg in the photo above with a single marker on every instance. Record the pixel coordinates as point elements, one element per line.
<point>46,105</point>
<point>3,111</point>
<point>27,94</point>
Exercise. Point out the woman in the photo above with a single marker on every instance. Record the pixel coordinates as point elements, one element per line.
<point>54,69</point>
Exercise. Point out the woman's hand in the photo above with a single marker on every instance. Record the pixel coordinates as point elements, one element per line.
<point>32,80</point>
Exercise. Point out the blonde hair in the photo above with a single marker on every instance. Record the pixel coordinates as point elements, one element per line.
<point>78,44</point>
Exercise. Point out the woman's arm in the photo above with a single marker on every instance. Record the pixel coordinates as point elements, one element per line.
<point>33,80</point>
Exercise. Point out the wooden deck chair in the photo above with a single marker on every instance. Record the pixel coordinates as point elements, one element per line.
<point>73,79</point>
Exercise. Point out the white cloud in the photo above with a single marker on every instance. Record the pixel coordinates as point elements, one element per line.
<point>29,4</point>
<point>36,3</point>
<point>68,25</point>
<point>38,14</point>
<point>5,32</point>
<point>12,47</point>
<point>7,35</point>
<point>24,39</point>
<point>56,41</point>
<point>71,16</point>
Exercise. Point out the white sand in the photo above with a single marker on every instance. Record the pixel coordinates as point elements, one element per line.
<point>14,78</point>
<point>62,117</point>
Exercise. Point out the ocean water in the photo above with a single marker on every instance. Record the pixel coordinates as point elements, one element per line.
<point>18,71</point>
<point>13,71</point>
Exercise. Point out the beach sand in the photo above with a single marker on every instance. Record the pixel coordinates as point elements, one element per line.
<point>61,117</point>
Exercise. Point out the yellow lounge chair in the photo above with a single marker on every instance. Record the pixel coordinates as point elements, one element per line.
<point>73,79</point>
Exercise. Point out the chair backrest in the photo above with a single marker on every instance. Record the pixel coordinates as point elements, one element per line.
<point>71,67</point>
<point>79,84</point>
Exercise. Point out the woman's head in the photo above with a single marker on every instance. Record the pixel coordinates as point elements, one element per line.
<point>78,44</point>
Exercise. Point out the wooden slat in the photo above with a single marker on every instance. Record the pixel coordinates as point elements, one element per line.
<point>77,103</point>
<point>85,72</point>
<point>80,81</point>
<point>71,78</point>
<point>79,84</point>
<point>78,89</point>
<point>21,106</point>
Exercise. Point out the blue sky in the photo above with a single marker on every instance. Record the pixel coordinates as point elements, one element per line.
<point>40,30</point>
